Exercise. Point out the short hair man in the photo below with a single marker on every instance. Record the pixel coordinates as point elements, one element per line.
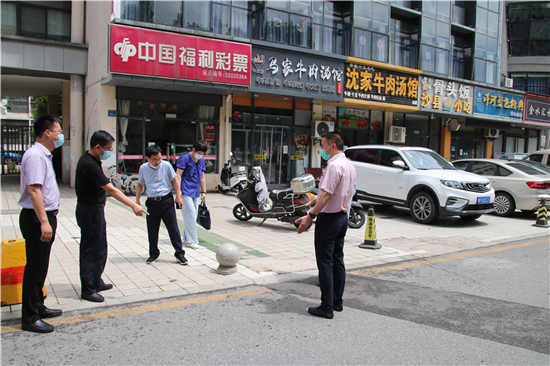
<point>91,186</point>
<point>38,221</point>
<point>336,190</point>
<point>158,177</point>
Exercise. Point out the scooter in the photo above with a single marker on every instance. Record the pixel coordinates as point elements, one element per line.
<point>284,205</point>
<point>356,217</point>
<point>231,181</point>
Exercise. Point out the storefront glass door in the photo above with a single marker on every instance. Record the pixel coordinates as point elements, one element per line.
<point>271,151</point>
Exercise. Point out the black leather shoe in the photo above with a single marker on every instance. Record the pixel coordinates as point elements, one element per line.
<point>182,260</point>
<point>50,313</point>
<point>38,327</point>
<point>95,297</point>
<point>338,308</point>
<point>105,287</point>
<point>320,313</point>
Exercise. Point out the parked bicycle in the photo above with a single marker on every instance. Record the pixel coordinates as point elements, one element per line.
<point>125,182</point>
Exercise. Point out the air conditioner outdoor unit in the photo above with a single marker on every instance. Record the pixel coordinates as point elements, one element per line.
<point>396,134</point>
<point>322,127</point>
<point>491,133</point>
<point>509,83</point>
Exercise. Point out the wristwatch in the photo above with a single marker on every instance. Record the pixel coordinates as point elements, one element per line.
<point>312,215</point>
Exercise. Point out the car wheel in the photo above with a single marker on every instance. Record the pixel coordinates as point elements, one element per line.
<point>470,217</point>
<point>240,213</point>
<point>356,218</point>
<point>424,208</point>
<point>504,204</point>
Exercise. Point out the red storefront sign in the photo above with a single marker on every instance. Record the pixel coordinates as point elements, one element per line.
<point>209,133</point>
<point>148,52</point>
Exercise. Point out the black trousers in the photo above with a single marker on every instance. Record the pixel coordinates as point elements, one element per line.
<point>38,260</point>
<point>330,230</point>
<point>163,210</point>
<point>93,246</point>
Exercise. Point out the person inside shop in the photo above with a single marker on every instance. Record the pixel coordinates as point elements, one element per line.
<point>336,190</point>
<point>38,220</point>
<point>191,168</point>
<point>158,176</point>
<point>91,186</point>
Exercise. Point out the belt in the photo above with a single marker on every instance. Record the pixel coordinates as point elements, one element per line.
<point>52,212</point>
<point>160,198</point>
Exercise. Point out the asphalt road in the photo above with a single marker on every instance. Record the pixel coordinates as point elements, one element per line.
<point>488,306</point>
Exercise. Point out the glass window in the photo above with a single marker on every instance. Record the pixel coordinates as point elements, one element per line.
<point>428,31</point>
<point>492,24</point>
<point>535,157</point>
<point>492,48</point>
<point>427,60</point>
<point>300,7</point>
<point>519,29</point>
<point>196,15</point>
<point>167,13</point>
<point>300,30</point>
<point>443,35</point>
<point>442,63</point>
<point>317,37</point>
<point>461,165</point>
<point>387,157</point>
<point>33,22</point>
<point>240,4</point>
<point>363,14</point>
<point>494,6</point>
<point>519,12</point>
<point>131,10</point>
<point>170,110</point>
<point>276,26</point>
<point>540,47</point>
<point>503,172</point>
<point>361,44</point>
<point>379,47</point>
<point>541,11</point>
<point>519,48</point>
<point>540,29</point>
<point>481,46</point>
<point>444,10</point>
<point>239,22</point>
<point>484,168</point>
<point>9,18</point>
<point>429,8</point>
<point>482,3</point>
<point>481,21</point>
<point>479,70</point>
<point>220,21</point>
<point>366,155</point>
<point>59,25</point>
<point>281,5</point>
<point>381,20</point>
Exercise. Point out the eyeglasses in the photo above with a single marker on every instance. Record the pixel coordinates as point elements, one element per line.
<point>59,132</point>
<point>155,160</point>
<point>102,148</point>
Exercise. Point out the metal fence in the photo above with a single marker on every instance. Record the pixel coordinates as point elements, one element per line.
<point>16,138</point>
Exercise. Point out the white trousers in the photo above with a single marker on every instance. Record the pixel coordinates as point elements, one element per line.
<point>190,211</point>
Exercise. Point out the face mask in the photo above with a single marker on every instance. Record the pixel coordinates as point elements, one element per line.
<point>106,154</point>
<point>153,167</point>
<point>198,156</point>
<point>324,155</point>
<point>60,140</point>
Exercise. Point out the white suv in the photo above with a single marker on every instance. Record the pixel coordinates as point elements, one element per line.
<point>420,179</point>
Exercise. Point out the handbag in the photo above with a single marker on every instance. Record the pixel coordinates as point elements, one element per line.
<point>203,218</point>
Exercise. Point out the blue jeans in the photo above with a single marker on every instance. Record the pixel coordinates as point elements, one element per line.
<point>190,211</point>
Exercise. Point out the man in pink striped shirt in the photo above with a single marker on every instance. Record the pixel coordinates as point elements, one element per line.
<point>336,189</point>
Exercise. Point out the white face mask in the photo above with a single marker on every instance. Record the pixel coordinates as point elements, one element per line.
<point>198,156</point>
<point>153,167</point>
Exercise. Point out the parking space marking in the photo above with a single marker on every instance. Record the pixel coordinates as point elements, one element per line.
<point>144,309</point>
<point>370,271</point>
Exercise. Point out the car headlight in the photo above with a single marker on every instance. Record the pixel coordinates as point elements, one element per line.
<point>452,184</point>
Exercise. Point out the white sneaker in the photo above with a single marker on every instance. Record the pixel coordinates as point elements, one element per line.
<point>192,245</point>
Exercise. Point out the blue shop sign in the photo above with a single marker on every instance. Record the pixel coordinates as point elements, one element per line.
<point>494,103</point>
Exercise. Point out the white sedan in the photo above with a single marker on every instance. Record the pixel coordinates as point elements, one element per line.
<point>517,184</point>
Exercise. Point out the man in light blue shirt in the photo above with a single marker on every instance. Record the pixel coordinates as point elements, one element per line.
<point>158,177</point>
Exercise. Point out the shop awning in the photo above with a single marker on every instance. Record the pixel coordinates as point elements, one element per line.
<point>133,81</point>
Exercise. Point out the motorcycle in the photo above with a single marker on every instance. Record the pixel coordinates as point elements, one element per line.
<point>231,181</point>
<point>356,217</point>
<point>286,205</point>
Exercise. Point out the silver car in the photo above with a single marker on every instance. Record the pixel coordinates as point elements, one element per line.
<point>517,184</point>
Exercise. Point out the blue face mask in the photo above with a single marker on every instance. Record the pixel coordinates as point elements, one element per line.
<point>60,140</point>
<point>324,155</point>
<point>106,154</point>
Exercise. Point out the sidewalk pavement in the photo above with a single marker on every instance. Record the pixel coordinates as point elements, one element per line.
<point>268,252</point>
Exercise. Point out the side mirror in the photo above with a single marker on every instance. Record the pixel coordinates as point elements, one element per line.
<point>400,164</point>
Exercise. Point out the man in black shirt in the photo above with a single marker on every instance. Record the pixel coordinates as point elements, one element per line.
<point>91,184</point>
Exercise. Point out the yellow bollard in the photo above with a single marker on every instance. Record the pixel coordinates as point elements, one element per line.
<point>542,215</point>
<point>13,267</point>
<point>370,233</point>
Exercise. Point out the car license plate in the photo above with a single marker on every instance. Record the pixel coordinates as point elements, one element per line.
<point>482,200</point>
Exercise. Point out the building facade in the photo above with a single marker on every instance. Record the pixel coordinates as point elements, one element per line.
<point>260,81</point>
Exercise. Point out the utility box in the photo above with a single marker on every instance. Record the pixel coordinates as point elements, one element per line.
<point>13,267</point>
